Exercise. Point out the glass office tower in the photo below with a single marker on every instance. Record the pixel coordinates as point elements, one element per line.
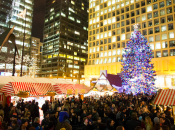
<point>65,39</point>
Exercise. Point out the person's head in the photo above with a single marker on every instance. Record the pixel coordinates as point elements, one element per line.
<point>113,105</point>
<point>138,128</point>
<point>84,111</point>
<point>164,127</point>
<point>106,114</point>
<point>115,109</point>
<point>156,120</point>
<point>148,120</point>
<point>72,110</point>
<point>124,109</point>
<point>89,115</point>
<point>120,128</point>
<point>134,116</point>
<point>168,114</point>
<point>37,120</point>
<point>50,107</point>
<point>158,114</point>
<point>26,109</point>
<point>85,120</point>
<point>110,122</point>
<point>1,119</point>
<point>24,123</point>
<point>99,119</point>
<point>162,120</point>
<point>46,115</point>
<point>14,122</point>
<point>162,115</point>
<point>95,110</point>
<point>56,114</point>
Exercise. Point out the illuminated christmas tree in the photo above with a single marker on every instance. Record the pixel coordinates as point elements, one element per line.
<point>137,72</point>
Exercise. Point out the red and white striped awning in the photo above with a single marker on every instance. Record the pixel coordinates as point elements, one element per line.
<point>35,89</point>
<point>81,86</point>
<point>7,89</point>
<point>43,88</point>
<point>62,88</point>
<point>165,97</point>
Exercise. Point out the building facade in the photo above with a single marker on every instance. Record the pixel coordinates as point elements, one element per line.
<point>65,39</point>
<point>5,8</point>
<point>10,18</point>
<point>110,27</point>
<point>35,55</point>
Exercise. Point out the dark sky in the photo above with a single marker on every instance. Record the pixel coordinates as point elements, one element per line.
<point>38,19</point>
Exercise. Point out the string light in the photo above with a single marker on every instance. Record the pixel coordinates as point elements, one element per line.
<point>137,72</point>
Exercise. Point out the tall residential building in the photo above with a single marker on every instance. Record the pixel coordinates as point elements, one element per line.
<point>65,39</point>
<point>9,10</point>
<point>110,27</point>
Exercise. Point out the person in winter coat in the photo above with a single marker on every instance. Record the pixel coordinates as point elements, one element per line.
<point>36,124</point>
<point>95,114</point>
<point>149,124</point>
<point>45,121</point>
<point>133,123</point>
<point>110,124</point>
<point>85,125</point>
<point>63,121</point>
<point>15,125</point>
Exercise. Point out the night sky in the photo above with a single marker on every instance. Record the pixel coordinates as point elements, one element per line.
<point>38,19</point>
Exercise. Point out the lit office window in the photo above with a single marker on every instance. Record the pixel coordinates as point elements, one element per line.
<point>171,35</point>
<point>164,36</point>
<point>158,45</point>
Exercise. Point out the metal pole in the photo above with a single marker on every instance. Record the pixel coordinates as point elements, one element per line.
<point>23,44</point>
<point>13,73</point>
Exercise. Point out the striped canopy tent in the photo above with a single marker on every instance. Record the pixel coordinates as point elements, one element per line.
<point>82,89</point>
<point>35,89</point>
<point>43,88</point>
<point>62,88</point>
<point>165,97</point>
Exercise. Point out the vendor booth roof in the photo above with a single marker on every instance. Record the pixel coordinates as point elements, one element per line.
<point>62,88</point>
<point>6,79</point>
<point>35,89</point>
<point>165,97</point>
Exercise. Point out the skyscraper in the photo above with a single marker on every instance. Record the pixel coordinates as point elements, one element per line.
<point>65,39</point>
<point>5,7</point>
<point>110,27</point>
<point>10,10</point>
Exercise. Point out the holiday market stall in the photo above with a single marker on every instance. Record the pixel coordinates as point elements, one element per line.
<point>165,97</point>
<point>27,90</point>
<point>70,89</point>
<point>107,84</point>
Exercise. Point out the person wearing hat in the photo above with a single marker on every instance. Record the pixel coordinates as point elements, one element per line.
<point>24,124</point>
<point>63,121</point>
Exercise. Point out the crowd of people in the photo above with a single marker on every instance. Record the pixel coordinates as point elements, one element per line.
<point>116,112</point>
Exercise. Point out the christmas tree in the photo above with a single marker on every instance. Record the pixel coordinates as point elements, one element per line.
<point>137,72</point>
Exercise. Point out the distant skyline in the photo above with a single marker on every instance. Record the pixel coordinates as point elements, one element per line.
<point>38,19</point>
